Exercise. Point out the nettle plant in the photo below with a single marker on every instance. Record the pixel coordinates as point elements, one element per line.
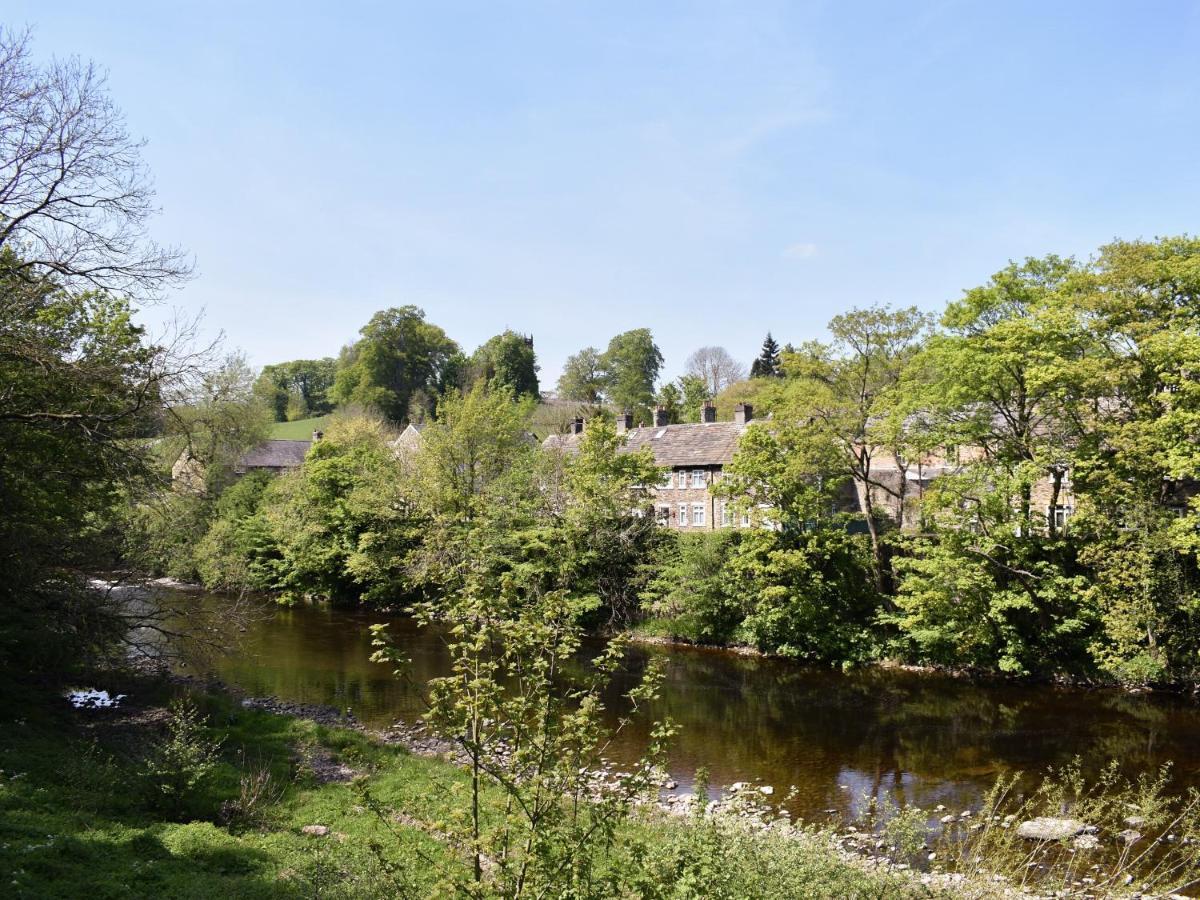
<point>527,721</point>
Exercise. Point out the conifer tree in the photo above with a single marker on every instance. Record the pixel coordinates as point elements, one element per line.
<point>767,363</point>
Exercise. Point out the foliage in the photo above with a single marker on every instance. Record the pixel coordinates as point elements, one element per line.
<point>508,360</point>
<point>399,357</point>
<point>342,524</point>
<point>691,589</point>
<point>582,377</point>
<point>767,363</point>
<point>297,389</point>
<point>181,759</point>
<point>631,365</point>
<point>80,394</point>
<point>526,725</point>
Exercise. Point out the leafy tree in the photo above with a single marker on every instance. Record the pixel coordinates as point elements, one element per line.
<point>342,524</point>
<point>691,590</point>
<point>398,356</point>
<point>508,360</point>
<point>81,392</point>
<point>767,364</point>
<point>582,377</point>
<point>297,389</point>
<point>843,392</point>
<point>631,365</point>
<point>714,368</point>
<point>529,727</point>
<point>695,392</point>
<point>670,399</point>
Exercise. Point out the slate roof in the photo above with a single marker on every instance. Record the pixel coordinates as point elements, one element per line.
<point>275,455</point>
<point>696,444</point>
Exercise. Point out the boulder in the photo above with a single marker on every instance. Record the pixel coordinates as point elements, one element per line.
<point>1046,828</point>
<point>315,830</point>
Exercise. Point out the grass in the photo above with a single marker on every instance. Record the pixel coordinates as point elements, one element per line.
<point>76,820</point>
<point>300,430</point>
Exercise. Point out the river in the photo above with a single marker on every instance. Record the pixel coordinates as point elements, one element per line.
<point>836,737</point>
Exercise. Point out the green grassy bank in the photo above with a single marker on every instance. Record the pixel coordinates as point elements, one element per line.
<point>79,817</point>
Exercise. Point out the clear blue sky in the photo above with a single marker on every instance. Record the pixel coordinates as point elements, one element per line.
<point>707,170</point>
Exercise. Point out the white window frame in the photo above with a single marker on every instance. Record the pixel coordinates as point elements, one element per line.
<point>698,515</point>
<point>1060,515</point>
<point>668,480</point>
<point>662,514</point>
<point>683,515</point>
<point>745,518</point>
<point>698,479</point>
<point>726,514</point>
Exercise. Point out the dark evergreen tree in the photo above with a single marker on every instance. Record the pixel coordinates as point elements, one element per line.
<point>767,364</point>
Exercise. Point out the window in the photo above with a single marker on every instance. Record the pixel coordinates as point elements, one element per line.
<point>726,514</point>
<point>697,478</point>
<point>1178,512</point>
<point>666,480</point>
<point>662,515</point>
<point>1059,515</point>
<point>697,513</point>
<point>746,518</point>
<point>683,514</point>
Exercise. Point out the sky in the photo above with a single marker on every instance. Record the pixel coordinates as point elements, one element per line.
<point>571,170</point>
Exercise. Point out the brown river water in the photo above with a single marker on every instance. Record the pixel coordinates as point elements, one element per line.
<point>837,737</point>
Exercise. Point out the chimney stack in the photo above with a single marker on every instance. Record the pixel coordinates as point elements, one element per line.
<point>317,435</point>
<point>577,425</point>
<point>708,413</point>
<point>660,417</point>
<point>743,413</point>
<point>624,422</point>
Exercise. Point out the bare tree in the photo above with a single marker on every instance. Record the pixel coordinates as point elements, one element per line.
<point>75,194</point>
<point>716,367</point>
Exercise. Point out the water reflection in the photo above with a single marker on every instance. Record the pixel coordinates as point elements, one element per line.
<point>837,737</point>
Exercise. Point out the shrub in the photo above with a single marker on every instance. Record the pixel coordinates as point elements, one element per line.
<point>181,760</point>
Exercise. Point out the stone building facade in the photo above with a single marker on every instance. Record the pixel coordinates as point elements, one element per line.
<point>695,456</point>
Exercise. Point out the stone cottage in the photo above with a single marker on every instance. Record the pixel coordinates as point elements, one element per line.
<point>695,456</point>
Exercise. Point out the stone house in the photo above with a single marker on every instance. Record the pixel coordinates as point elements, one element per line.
<point>274,456</point>
<point>695,456</point>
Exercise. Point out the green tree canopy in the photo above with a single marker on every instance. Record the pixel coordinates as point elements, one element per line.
<point>631,365</point>
<point>399,356</point>
<point>297,389</point>
<point>508,360</point>
<point>582,377</point>
<point>766,365</point>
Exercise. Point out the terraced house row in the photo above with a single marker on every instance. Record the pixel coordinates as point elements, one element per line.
<point>694,455</point>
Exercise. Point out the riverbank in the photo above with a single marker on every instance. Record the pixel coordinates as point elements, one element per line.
<point>283,814</point>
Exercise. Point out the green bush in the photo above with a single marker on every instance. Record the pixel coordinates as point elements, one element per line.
<point>180,761</point>
<point>691,592</point>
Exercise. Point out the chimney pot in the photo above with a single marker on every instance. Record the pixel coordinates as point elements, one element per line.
<point>708,412</point>
<point>660,417</point>
<point>624,422</point>
<point>743,413</point>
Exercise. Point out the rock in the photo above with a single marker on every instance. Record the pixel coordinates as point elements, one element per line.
<point>1129,836</point>
<point>738,786</point>
<point>766,790</point>
<point>315,830</point>
<point>1135,821</point>
<point>670,785</point>
<point>1086,842</point>
<point>946,820</point>
<point>1046,828</point>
